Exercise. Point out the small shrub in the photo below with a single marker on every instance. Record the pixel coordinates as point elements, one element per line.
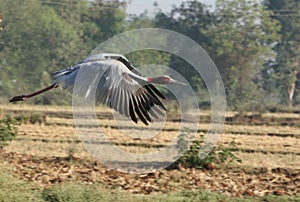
<point>71,151</point>
<point>8,131</point>
<point>218,155</point>
<point>37,118</point>
<point>29,118</point>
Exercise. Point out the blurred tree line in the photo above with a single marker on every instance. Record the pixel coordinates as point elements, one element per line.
<point>254,44</point>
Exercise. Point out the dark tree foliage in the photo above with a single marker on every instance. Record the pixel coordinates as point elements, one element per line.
<point>40,37</point>
<point>285,70</point>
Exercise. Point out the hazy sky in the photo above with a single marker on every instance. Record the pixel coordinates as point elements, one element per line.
<point>139,6</point>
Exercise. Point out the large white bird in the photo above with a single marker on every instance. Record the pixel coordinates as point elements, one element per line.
<point>119,86</point>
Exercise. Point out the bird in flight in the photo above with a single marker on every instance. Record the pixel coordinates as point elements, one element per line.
<point>118,85</point>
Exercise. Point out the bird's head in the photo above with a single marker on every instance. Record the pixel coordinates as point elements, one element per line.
<point>165,80</point>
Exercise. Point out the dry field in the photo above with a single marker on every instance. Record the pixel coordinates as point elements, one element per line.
<point>51,152</point>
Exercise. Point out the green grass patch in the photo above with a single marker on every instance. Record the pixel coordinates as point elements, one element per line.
<point>12,189</point>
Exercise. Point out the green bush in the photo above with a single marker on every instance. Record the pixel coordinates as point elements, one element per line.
<point>8,131</point>
<point>218,155</point>
<point>28,118</point>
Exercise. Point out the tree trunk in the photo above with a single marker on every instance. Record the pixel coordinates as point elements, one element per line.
<point>292,87</point>
<point>291,93</point>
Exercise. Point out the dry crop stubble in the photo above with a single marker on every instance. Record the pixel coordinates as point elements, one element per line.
<point>58,135</point>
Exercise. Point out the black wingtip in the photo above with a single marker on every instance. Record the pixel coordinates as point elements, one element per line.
<point>157,92</point>
<point>131,112</point>
<point>138,111</point>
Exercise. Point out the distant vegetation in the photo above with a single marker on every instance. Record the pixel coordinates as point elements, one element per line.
<point>256,46</point>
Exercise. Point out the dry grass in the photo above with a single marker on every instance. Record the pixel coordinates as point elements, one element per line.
<point>260,160</point>
<point>58,137</point>
<point>263,143</point>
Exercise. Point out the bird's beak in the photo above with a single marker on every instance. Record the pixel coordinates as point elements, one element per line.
<point>173,81</point>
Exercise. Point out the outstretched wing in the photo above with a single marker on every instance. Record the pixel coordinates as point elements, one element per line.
<point>129,97</point>
<point>109,83</point>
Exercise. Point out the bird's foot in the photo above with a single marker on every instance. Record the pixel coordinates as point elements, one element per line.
<point>18,98</point>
